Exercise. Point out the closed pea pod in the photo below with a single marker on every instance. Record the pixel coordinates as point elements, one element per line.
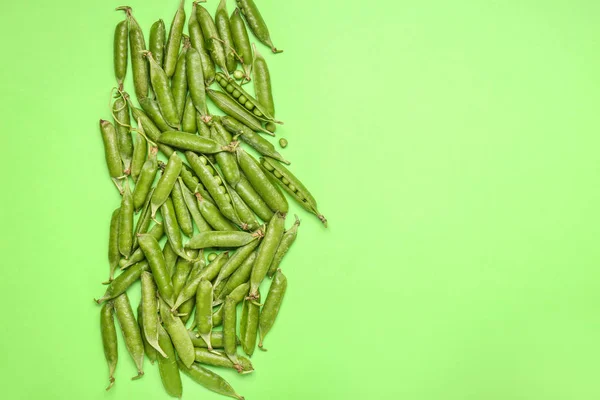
<point>166,182</point>
<point>178,333</point>
<point>188,121</point>
<point>204,295</point>
<point>155,258</point>
<point>209,273</point>
<point>157,41</point>
<point>122,282</point>
<point>229,329</point>
<point>195,78</point>
<point>114,255</point>
<point>152,110</point>
<point>203,128</point>
<point>143,222</point>
<point>245,214</point>
<point>197,39</point>
<point>109,340</point>
<point>192,205</point>
<point>256,23</point>
<point>233,109</point>
<point>220,359</point>
<point>131,332</point>
<point>140,151</point>
<point>238,294</point>
<point>120,112</point>
<point>220,239</point>
<point>211,36</point>
<point>164,95</point>
<point>126,222</point>
<point>167,365</point>
<point>209,380</point>
<point>120,51</point>
<point>239,277</point>
<point>272,305</point>
<point>222,24</point>
<point>145,179</point>
<point>266,252</point>
<point>212,215</point>
<point>252,138</point>
<point>149,350</point>
<point>216,339</point>
<point>181,272</point>
<point>241,41</point>
<point>111,151</point>
<point>172,228</point>
<point>236,260</point>
<point>170,257</point>
<point>174,40</point>
<point>264,187</point>
<point>244,99</point>
<point>249,326</point>
<point>190,141</point>
<point>262,85</point>
<point>149,305</point>
<point>287,240</point>
<point>253,200</point>
<point>137,44</point>
<point>181,211</point>
<point>179,85</point>
<point>226,161</point>
<point>157,232</point>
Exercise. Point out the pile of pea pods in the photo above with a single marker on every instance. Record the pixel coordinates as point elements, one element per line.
<point>223,212</point>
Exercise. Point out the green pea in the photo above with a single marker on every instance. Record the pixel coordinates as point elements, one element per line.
<point>126,222</point>
<point>272,305</point>
<point>241,98</point>
<point>248,104</point>
<point>253,200</point>
<point>195,79</point>
<point>122,282</point>
<point>109,340</point>
<point>226,160</point>
<point>239,277</point>
<point>271,127</point>
<point>238,294</point>
<point>212,256</point>
<point>155,258</point>
<point>262,83</point>
<point>188,122</point>
<point>216,339</point>
<point>192,205</point>
<point>162,89</point>
<point>211,36</point>
<point>209,380</point>
<point>212,215</point>
<point>181,273</point>
<point>283,143</point>
<point>184,219</point>
<point>131,332</point>
<point>236,260</point>
<point>292,187</point>
<point>174,40</point>
<point>236,93</point>
<point>257,112</point>
<point>170,257</point>
<point>245,214</point>
<point>137,46</point>
<point>172,228</point>
<point>120,51</point>
<point>267,165</point>
<point>233,109</point>
<point>238,75</point>
<point>229,87</point>
<point>152,110</point>
<point>242,42</point>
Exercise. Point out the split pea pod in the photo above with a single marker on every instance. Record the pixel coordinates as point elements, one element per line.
<point>249,326</point>
<point>156,259</point>
<point>192,205</point>
<point>224,30</point>
<point>236,260</point>
<point>166,182</point>
<point>179,84</point>
<point>220,359</point>
<point>192,142</point>
<point>162,89</point>
<point>157,41</point>
<point>266,252</point>
<point>252,138</point>
<point>145,179</point>
<point>174,40</point>
<point>238,294</point>
<point>262,85</point>
<point>157,232</point>
<point>241,41</point>
<point>209,273</point>
<point>172,229</point>
<point>149,350</point>
<point>233,109</point>
<point>137,46</point>
<point>184,219</point>
<point>120,112</point>
<point>259,180</point>
<point>211,36</point>
<point>204,296</point>
<point>272,305</point>
<point>239,277</point>
<point>178,333</point>
<point>289,236</point>
<point>220,239</point>
<point>167,365</point>
<point>109,340</point>
<point>209,380</point>
<point>111,150</point>
<point>149,305</point>
<point>292,186</point>
<point>131,332</point>
<point>122,282</point>
<point>120,51</point>
<point>197,39</point>
<point>195,78</point>
<point>212,215</point>
<point>140,152</point>
<point>256,23</point>
<point>152,110</point>
<point>126,222</point>
<point>188,121</point>
<point>114,255</point>
<point>244,99</point>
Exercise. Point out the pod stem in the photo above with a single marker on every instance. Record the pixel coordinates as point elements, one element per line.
<point>272,46</point>
<point>323,219</point>
<point>260,345</point>
<point>138,376</point>
<point>127,11</point>
<point>111,382</point>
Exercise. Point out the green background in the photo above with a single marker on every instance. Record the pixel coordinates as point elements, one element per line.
<point>453,146</point>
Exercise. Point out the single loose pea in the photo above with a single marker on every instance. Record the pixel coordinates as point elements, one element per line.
<point>271,127</point>
<point>283,143</point>
<point>238,75</point>
<point>212,256</point>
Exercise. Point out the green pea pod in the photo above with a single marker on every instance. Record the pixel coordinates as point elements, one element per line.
<point>120,51</point>
<point>149,350</point>
<point>192,205</point>
<point>166,182</point>
<point>170,258</point>
<point>131,332</point>
<point>211,37</point>
<point>261,183</point>
<point>249,326</point>
<point>236,261</point>
<point>266,252</point>
<point>195,78</point>
<point>191,181</point>
<point>126,222</point>
<point>145,179</point>
<point>222,24</point>
<point>152,110</point>
<point>114,255</point>
<point>140,152</point>
<point>238,294</point>
<point>203,128</point>
<point>241,41</point>
<point>143,222</point>
<point>109,340</point>
<point>229,329</point>
<point>256,23</point>
<point>244,213</point>
<point>216,339</point>
<point>155,258</point>
<point>262,82</point>
<point>164,95</point>
<point>204,295</point>
<point>239,277</point>
<point>226,160</point>
<point>253,200</point>
<point>178,333</point>
<point>172,228</point>
<point>209,380</point>
<point>111,149</point>
<point>184,219</point>
<point>157,41</point>
<point>167,366</point>
<point>272,305</point>
<point>120,112</point>
<point>122,282</point>
<point>157,232</point>
<point>174,40</point>
<point>221,239</point>
<point>188,121</point>
<point>186,310</point>
<point>139,66</point>
<point>212,215</point>
<point>193,142</point>
<point>152,131</point>
<point>208,273</point>
<point>252,138</point>
<point>233,109</point>
<point>220,359</point>
<point>180,275</point>
<point>149,305</point>
<point>292,185</point>
<point>179,85</point>
<point>197,39</point>
<point>287,240</point>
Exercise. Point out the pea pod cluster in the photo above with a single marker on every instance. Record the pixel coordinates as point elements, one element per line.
<point>199,221</point>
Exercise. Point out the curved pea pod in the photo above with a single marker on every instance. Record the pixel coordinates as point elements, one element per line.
<point>211,36</point>
<point>162,89</point>
<point>253,200</point>
<point>204,295</point>
<point>209,273</point>
<point>109,340</point>
<point>120,111</point>
<point>178,333</point>
<point>261,183</point>
<point>249,326</point>
<point>236,260</point>
<point>140,152</point>
<point>256,23</point>
<point>195,78</point>
<point>197,39</point>
<point>292,186</point>
<point>209,380</point>
<point>126,222</point>
<point>266,252</point>
<point>272,305</point>
<point>212,215</point>
<point>172,228</point>
<point>139,67</point>
<point>120,51</point>
<point>166,182</point>
<point>157,232</point>
<point>190,141</point>
<point>192,205</point>
<point>226,160</point>
<point>155,258</point>
<point>221,239</point>
<point>111,149</point>
<point>252,138</point>
<point>145,179</point>
<point>244,213</point>
<point>174,40</point>
<point>157,41</point>
<point>220,359</point>
<point>287,240</point>
<point>241,41</point>
<point>114,256</point>
<point>131,332</point>
<point>188,121</point>
<point>149,304</point>
<point>167,365</point>
<point>233,109</point>
<point>122,282</point>
<point>179,83</point>
<point>152,110</point>
<point>239,277</point>
<point>184,219</point>
<point>222,24</point>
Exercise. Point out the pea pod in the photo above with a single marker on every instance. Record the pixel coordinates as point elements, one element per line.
<point>152,110</point>
<point>272,305</point>
<point>150,128</point>
<point>174,40</point>
<point>238,294</point>
<point>241,41</point>
<point>184,219</point>
<point>166,182</point>
<point>131,332</point>
<point>252,138</point>
<point>211,36</point>
<point>222,24</point>
<point>170,258</point>
<point>145,179</point>
<point>109,340</point>
<point>181,273</point>
<point>209,380</point>
<point>227,162</point>
<point>249,326</point>
<point>190,141</point>
<point>243,211</point>
<point>287,240</point>
<point>256,23</point>
<point>292,186</point>
<point>262,85</point>
<point>120,112</point>
<point>204,295</point>
<point>157,233</point>
<point>143,222</point>
<point>208,273</point>
<point>266,252</point>
<point>197,39</point>
<point>111,150</point>
<point>212,215</point>
<point>236,261</point>
<point>195,78</point>
<point>192,205</point>
<point>239,277</point>
<point>172,228</point>
<point>233,109</point>
<point>259,180</point>
<point>149,305</point>
<point>220,239</point>
<point>149,350</point>
<point>126,222</point>
<point>155,258</point>
<point>137,46</point>
<point>120,51</point>
<point>113,244</point>
<point>162,89</point>
<point>178,333</point>
<point>179,84</point>
<point>122,282</point>
<point>216,339</point>
<point>188,121</point>
<point>140,151</point>
<point>253,200</point>
<point>167,365</point>
<point>220,359</point>
<point>157,41</point>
